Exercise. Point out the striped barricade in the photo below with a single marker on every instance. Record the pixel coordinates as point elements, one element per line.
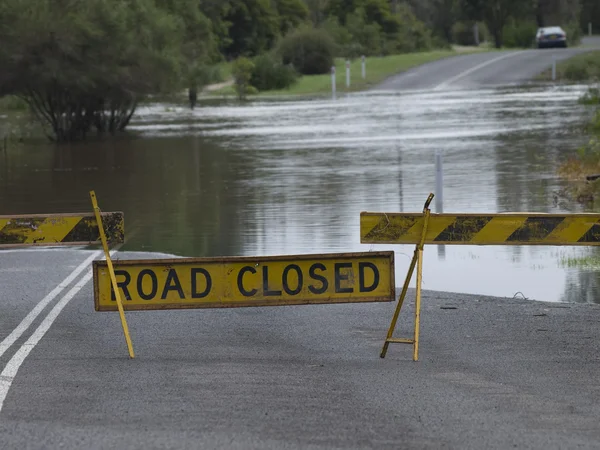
<point>469,229</point>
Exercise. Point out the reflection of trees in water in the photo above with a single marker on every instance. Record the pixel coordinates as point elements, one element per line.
<point>582,286</point>
<point>525,166</point>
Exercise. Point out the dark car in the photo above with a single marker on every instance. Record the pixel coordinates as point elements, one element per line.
<point>551,37</point>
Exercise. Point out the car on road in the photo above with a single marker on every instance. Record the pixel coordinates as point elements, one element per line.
<point>551,37</point>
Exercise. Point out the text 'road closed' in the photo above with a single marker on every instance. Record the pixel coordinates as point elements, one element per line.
<point>260,281</point>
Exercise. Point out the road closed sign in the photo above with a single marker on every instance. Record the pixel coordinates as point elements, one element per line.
<point>246,281</point>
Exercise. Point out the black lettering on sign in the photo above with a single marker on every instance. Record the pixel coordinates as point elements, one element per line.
<point>240,281</point>
<point>266,291</point>
<point>140,285</point>
<point>121,285</point>
<point>339,277</point>
<point>172,284</point>
<point>324,283</point>
<point>207,278</point>
<point>286,286</point>
<point>361,276</point>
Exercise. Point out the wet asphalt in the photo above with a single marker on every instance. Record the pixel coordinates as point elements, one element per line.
<point>493,373</point>
<point>489,69</point>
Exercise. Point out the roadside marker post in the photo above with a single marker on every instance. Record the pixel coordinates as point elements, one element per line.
<point>347,73</point>
<point>112,274</point>
<point>333,87</point>
<point>363,67</point>
<point>469,229</point>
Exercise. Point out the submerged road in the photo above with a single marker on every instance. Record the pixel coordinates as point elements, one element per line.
<point>484,69</point>
<point>493,373</point>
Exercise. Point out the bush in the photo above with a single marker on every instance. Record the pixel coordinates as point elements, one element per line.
<point>412,35</point>
<point>463,33</point>
<point>242,73</point>
<point>577,70</point>
<point>519,34</point>
<point>12,103</point>
<point>270,73</point>
<point>310,51</point>
<point>573,31</point>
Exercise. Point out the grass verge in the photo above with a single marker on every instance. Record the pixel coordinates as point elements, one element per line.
<point>377,70</point>
<point>580,68</point>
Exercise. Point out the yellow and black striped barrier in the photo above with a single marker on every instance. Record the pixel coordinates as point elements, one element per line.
<point>60,229</point>
<point>69,229</point>
<point>481,229</point>
<point>469,229</point>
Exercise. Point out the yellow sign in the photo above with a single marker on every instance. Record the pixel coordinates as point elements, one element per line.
<point>481,229</point>
<point>246,281</point>
<point>59,229</point>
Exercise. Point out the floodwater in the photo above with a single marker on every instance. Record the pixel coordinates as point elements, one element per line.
<point>290,177</point>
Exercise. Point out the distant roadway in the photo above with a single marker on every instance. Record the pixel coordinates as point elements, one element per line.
<point>484,69</point>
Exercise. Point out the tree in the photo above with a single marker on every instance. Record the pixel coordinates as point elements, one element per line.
<point>198,47</point>
<point>253,28</point>
<point>85,65</point>
<point>291,14</point>
<point>495,13</point>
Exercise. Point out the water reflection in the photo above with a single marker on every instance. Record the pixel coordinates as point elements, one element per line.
<point>275,177</point>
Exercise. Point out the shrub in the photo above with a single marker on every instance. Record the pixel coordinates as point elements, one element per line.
<point>309,50</point>
<point>573,31</point>
<point>270,73</point>
<point>519,34</point>
<point>12,103</point>
<point>463,33</point>
<point>242,73</point>
<point>577,70</point>
<point>412,35</point>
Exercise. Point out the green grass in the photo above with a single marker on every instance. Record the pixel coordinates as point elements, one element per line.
<point>584,262</point>
<point>580,68</point>
<point>377,70</point>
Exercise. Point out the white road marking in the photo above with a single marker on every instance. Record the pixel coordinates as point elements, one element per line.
<point>474,69</point>
<point>28,320</point>
<point>12,367</point>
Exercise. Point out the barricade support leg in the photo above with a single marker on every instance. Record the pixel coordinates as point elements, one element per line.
<point>417,261</point>
<point>111,270</point>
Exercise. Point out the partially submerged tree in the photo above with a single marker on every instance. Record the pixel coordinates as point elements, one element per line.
<point>83,66</point>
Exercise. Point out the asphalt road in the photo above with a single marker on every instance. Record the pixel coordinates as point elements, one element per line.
<point>493,373</point>
<point>483,69</point>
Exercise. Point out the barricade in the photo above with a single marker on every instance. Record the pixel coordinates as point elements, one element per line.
<point>68,229</point>
<point>468,229</point>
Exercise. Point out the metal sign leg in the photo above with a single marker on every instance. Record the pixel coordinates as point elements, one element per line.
<point>112,274</point>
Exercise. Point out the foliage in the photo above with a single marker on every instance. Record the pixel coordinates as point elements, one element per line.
<point>309,50</point>
<point>87,69</point>
<point>463,33</point>
<point>292,13</point>
<point>591,97</point>
<point>242,74</point>
<point>270,73</point>
<point>411,36</point>
<point>365,37</point>
<point>496,14</point>
<point>253,27</point>
<point>573,31</point>
<point>520,34</point>
<point>590,13</point>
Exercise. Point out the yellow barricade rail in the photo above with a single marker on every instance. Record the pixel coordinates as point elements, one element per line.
<point>469,229</point>
<point>481,229</point>
<point>60,229</point>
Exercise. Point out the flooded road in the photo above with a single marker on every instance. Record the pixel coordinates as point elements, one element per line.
<point>286,177</point>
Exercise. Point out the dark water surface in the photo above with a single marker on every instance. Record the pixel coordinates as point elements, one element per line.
<point>287,177</point>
